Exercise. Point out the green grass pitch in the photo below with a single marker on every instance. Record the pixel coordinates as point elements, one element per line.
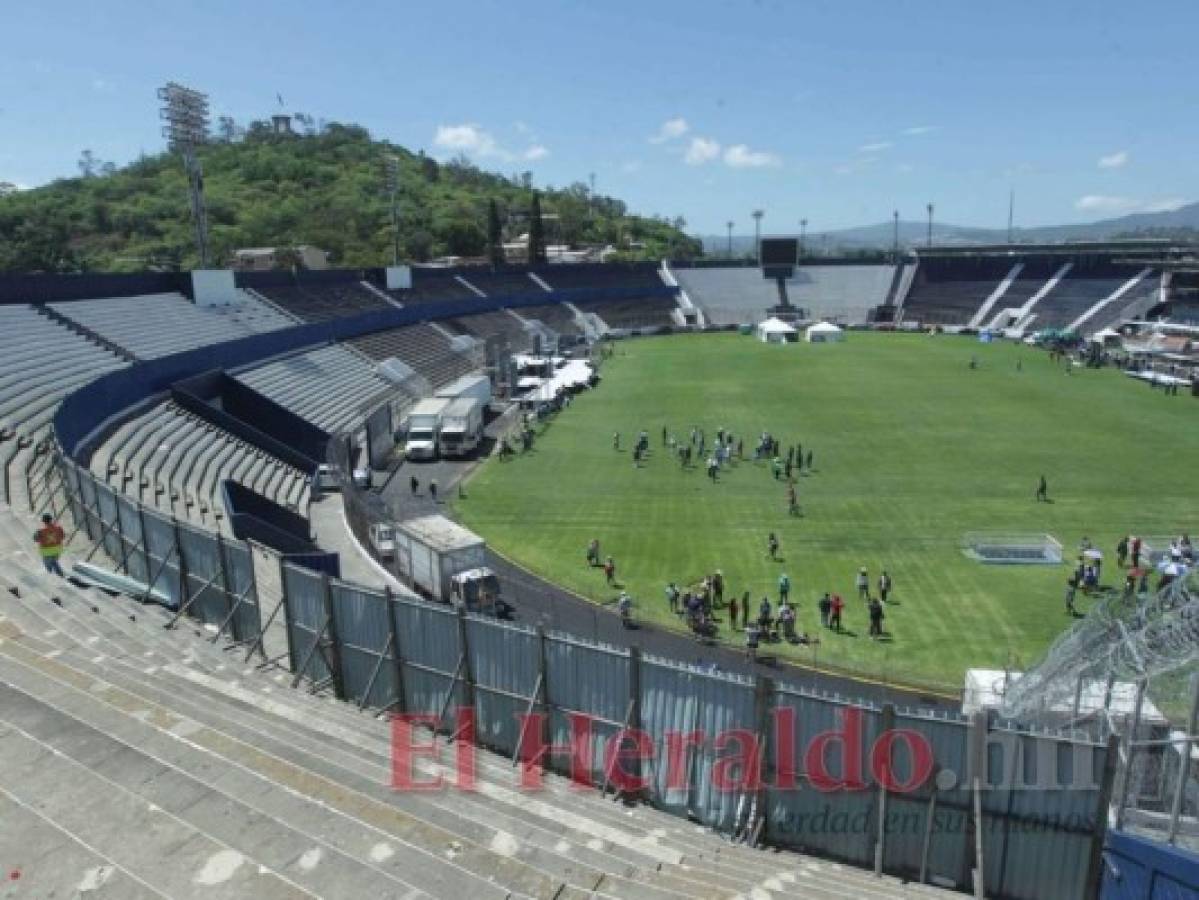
<point>912,450</point>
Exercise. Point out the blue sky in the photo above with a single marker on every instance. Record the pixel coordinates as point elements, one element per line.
<point>837,112</point>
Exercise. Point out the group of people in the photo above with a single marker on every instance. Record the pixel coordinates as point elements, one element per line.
<point>1132,555</point>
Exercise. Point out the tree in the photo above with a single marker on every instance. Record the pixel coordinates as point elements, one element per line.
<point>495,237</point>
<point>536,237</point>
<point>88,164</point>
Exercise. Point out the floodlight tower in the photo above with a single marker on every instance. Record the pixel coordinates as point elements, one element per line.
<point>185,113</point>
<point>803,232</point>
<point>758,213</point>
<point>930,224</point>
<point>392,178</point>
<point>730,249</point>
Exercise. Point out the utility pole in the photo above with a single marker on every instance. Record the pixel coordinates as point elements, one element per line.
<point>730,249</point>
<point>758,213</point>
<point>186,115</point>
<point>1011,209</point>
<point>591,196</point>
<point>930,224</point>
<point>895,236</point>
<point>803,233</point>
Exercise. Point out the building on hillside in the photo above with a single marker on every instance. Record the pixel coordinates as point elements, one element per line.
<point>261,259</point>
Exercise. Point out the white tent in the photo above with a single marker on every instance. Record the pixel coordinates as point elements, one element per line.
<point>776,331</point>
<point>1106,337</point>
<point>823,332</point>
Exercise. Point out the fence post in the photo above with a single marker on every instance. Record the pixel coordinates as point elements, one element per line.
<point>542,672</point>
<point>184,577</point>
<point>287,616</point>
<point>1099,836</point>
<point>225,581</point>
<point>399,702</point>
<point>468,674</point>
<point>880,841</point>
<point>1184,763</point>
<point>339,686</point>
<point>1130,737</point>
<point>976,756</point>
<point>634,717</point>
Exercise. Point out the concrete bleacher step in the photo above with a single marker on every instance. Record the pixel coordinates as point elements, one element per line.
<point>154,683</point>
<point>761,869</point>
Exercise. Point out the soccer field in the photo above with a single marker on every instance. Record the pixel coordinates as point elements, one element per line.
<point>912,449</point>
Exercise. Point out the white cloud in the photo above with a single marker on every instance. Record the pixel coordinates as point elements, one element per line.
<point>1168,204</point>
<point>1114,160</point>
<point>669,130</point>
<point>919,129</point>
<point>875,147</point>
<point>473,140</point>
<point>700,151</point>
<point>465,138</point>
<point>628,168</point>
<point>739,156</point>
<point>1103,203</point>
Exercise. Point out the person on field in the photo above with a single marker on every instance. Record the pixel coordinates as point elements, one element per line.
<point>672,597</point>
<point>616,440</point>
<point>733,613</point>
<point>836,605</point>
<point>718,588</point>
<point>772,544</point>
<point>433,490</point>
<point>876,618</point>
<point>1136,552</point>
<point>863,584</point>
<point>826,607</point>
<point>784,588</point>
<point>1043,490</point>
<point>593,552</point>
<point>414,483</point>
<point>50,540</point>
<point>884,585</point>
<point>745,609</point>
<point>809,462</point>
<point>792,500</point>
<point>610,570</point>
<point>764,614</point>
<point>1071,588</point>
<point>1122,551</point>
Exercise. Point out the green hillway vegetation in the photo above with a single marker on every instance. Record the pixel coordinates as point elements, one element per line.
<point>912,449</point>
<point>328,188</point>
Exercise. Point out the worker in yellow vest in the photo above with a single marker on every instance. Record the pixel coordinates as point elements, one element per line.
<point>50,539</point>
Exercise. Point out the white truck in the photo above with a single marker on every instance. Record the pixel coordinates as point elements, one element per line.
<point>445,561</point>
<point>476,386</point>
<point>461,427</point>
<point>383,540</point>
<point>423,424</point>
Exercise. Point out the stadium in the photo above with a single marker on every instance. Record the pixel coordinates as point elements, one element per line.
<point>379,525</point>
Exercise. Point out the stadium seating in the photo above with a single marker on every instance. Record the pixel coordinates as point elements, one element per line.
<point>144,761</point>
<point>554,316</point>
<point>432,286</point>
<point>320,301</point>
<point>422,347</point>
<point>497,329</point>
<point>1035,271</point>
<point>41,362</point>
<point>736,295</point>
<point>634,312</point>
<point>1085,285</point>
<point>600,275</point>
<point>174,461</point>
<point>329,387</point>
<point>501,282</point>
<point>156,325</point>
<point>950,290</point>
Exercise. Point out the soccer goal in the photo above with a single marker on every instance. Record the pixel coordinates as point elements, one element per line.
<point>1013,549</point>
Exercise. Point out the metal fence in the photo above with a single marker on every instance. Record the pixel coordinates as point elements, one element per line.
<point>1025,808</point>
<point>206,576</point>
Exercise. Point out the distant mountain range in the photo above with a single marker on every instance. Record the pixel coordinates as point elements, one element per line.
<point>1154,224</point>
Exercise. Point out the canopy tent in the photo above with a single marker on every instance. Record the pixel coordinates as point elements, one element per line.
<point>1106,337</point>
<point>776,331</point>
<point>823,332</point>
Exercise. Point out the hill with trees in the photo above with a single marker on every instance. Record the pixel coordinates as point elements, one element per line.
<point>327,187</point>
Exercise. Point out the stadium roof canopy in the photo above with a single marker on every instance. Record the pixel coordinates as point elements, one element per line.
<point>1140,248</point>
